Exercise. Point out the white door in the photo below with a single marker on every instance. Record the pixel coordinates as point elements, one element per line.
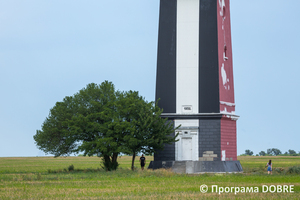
<point>186,148</point>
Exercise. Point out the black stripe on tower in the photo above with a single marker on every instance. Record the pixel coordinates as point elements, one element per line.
<point>208,58</point>
<point>166,57</point>
<point>210,136</point>
<point>168,153</point>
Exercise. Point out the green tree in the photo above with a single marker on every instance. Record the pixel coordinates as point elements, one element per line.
<point>98,120</point>
<point>292,153</point>
<point>147,131</point>
<point>269,151</point>
<point>276,152</point>
<point>262,153</point>
<point>248,152</point>
<point>273,151</point>
<point>88,122</point>
<point>56,136</point>
<point>99,125</point>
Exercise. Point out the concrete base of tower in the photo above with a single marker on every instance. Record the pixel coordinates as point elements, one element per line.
<point>195,167</point>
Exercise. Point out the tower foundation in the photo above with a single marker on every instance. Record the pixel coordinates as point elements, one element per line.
<point>196,167</point>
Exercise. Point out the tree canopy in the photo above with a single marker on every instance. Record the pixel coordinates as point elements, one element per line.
<point>248,152</point>
<point>272,152</point>
<point>262,153</point>
<point>98,120</point>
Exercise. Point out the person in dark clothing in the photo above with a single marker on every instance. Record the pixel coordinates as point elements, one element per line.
<point>142,161</point>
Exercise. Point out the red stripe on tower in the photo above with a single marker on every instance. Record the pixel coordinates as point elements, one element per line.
<point>228,139</point>
<point>226,86</point>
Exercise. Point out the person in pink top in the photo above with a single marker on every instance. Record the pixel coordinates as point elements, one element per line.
<point>269,165</point>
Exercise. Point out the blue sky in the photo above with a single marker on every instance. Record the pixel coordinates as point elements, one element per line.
<point>52,49</point>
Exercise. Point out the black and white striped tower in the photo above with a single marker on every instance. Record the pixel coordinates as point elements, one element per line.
<point>195,79</point>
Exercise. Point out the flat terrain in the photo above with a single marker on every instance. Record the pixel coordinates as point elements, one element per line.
<point>49,178</point>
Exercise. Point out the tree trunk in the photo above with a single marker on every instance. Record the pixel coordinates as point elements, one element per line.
<point>106,162</point>
<point>110,162</point>
<point>114,161</point>
<point>132,163</point>
<point>114,157</point>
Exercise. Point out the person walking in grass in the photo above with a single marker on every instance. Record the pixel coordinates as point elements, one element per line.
<point>142,161</point>
<point>269,165</point>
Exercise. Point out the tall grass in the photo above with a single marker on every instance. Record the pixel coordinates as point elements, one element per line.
<point>89,181</point>
<point>280,164</point>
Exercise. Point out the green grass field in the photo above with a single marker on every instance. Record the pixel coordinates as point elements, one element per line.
<point>49,178</point>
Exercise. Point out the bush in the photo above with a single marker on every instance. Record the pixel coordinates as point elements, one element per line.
<point>108,165</point>
<point>248,152</point>
<point>278,170</point>
<point>71,168</point>
<point>39,176</point>
<point>293,170</point>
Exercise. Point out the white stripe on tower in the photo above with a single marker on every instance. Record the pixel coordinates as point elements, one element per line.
<point>187,56</point>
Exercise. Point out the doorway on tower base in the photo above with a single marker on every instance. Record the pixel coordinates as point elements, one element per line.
<point>187,148</point>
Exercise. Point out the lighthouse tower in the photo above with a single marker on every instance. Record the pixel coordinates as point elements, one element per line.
<point>194,83</point>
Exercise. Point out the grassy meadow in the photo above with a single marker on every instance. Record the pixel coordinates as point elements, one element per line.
<point>49,178</point>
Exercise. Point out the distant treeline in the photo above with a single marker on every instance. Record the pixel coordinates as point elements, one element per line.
<point>271,152</point>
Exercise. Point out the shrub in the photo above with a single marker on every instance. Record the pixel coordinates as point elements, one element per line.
<point>39,176</point>
<point>278,170</point>
<point>248,152</point>
<point>293,170</point>
<point>108,165</point>
<point>257,170</point>
<point>71,168</point>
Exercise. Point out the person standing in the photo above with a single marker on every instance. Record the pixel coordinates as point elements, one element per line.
<point>269,165</point>
<point>142,161</point>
